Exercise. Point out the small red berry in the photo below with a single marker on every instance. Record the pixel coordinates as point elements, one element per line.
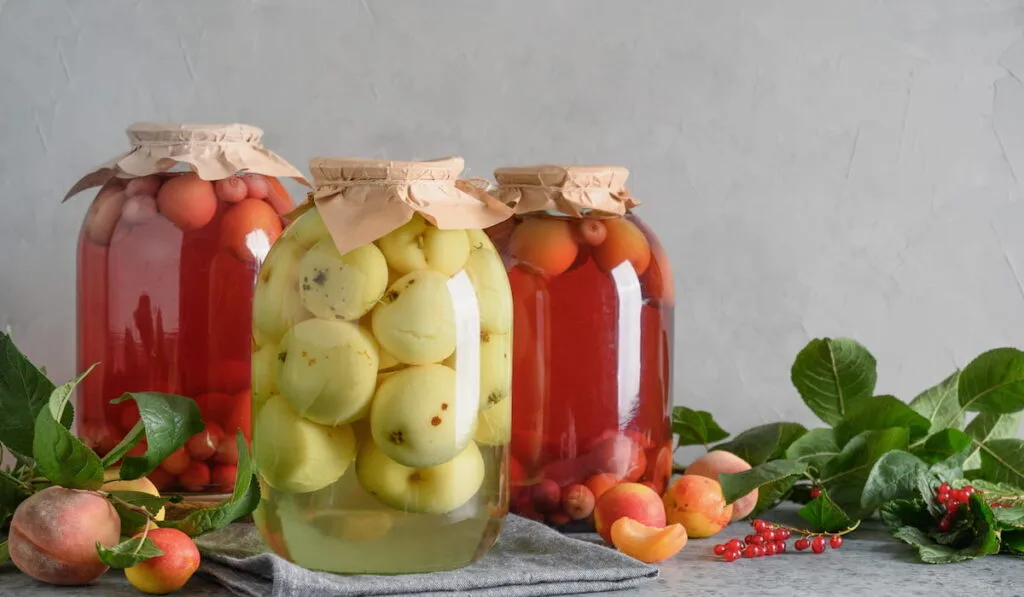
<point>759,525</point>
<point>815,492</point>
<point>836,542</point>
<point>945,524</point>
<point>780,547</point>
<point>783,534</point>
<point>720,549</point>
<point>942,498</point>
<point>959,496</point>
<point>769,535</point>
<point>952,508</point>
<point>756,540</point>
<point>801,544</point>
<point>818,545</point>
<point>944,488</point>
<point>969,489</point>
<point>732,555</point>
<point>770,549</point>
<point>734,545</point>
<point>751,551</point>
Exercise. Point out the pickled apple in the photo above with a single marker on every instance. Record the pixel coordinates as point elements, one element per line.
<point>327,370</point>
<point>264,373</point>
<point>495,368</point>
<point>417,245</point>
<point>308,229</point>
<point>277,305</point>
<point>416,420</point>
<point>433,490</point>
<point>415,320</point>
<point>346,287</point>
<point>298,456</point>
<point>494,425</point>
<point>494,295</point>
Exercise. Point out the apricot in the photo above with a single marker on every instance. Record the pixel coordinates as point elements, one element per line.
<point>54,533</point>
<point>104,214</point>
<point>697,503</point>
<point>720,461</point>
<point>645,543</point>
<point>659,468</point>
<point>177,462</point>
<point>195,477</point>
<point>169,572</point>
<point>624,242</point>
<point>278,197</point>
<point>223,476</point>
<point>188,201</point>
<point>143,186</point>
<point>249,228</point>
<point>546,496</point>
<point>544,244</point>
<point>591,232</point>
<point>203,445</point>
<point>138,210</point>
<point>619,455</point>
<point>257,185</point>
<point>578,501</point>
<point>601,483</point>
<point>142,485</point>
<point>231,189</point>
<point>227,452</point>
<point>630,500</point>
<point>161,479</point>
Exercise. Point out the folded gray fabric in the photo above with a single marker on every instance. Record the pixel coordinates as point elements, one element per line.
<point>529,559</point>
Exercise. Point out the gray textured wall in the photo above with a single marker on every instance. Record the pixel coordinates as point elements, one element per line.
<point>814,167</point>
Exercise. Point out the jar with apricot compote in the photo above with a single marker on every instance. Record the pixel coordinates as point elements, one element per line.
<point>593,326</point>
<point>167,262</point>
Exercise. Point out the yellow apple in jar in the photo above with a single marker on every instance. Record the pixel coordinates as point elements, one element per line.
<point>264,373</point>
<point>295,455</point>
<point>415,320</point>
<point>494,425</point>
<point>308,229</point>
<point>277,305</point>
<point>493,293</point>
<point>495,368</point>
<point>417,245</point>
<point>343,287</point>
<point>327,370</point>
<point>433,490</point>
<point>416,418</point>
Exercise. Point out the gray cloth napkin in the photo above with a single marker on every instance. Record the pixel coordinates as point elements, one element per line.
<point>529,559</point>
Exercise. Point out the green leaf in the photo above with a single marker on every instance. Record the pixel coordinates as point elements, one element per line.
<point>5,554</point>
<point>129,552</point>
<point>760,444</point>
<point>833,375</point>
<point>771,494</point>
<point>169,421</point>
<point>695,427</point>
<point>845,475</point>
<point>901,513</point>
<point>63,458</point>
<point>987,426</point>
<point>24,391</point>
<point>129,441</point>
<point>1013,543</point>
<point>984,537</point>
<point>893,477</point>
<point>997,490</point>
<point>1009,518</point>
<point>132,520</point>
<point>12,493</point>
<point>824,515</point>
<point>940,405</point>
<point>735,486</point>
<point>816,447</point>
<point>243,501</point>
<point>942,445</point>
<point>1002,461</point>
<point>61,395</point>
<point>882,412</point>
<point>994,382</point>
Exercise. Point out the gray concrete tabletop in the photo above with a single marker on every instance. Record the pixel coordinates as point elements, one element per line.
<point>869,563</point>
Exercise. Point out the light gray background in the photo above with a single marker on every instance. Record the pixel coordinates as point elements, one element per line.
<point>814,167</point>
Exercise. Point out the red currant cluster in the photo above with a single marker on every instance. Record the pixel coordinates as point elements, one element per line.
<point>952,500</point>
<point>770,539</point>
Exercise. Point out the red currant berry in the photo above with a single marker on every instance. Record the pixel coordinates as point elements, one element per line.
<point>732,555</point>
<point>836,542</point>
<point>719,549</point>
<point>969,489</point>
<point>783,534</point>
<point>945,524</point>
<point>755,540</point>
<point>959,496</point>
<point>818,545</point>
<point>942,498</point>
<point>944,488</point>
<point>780,547</point>
<point>801,544</point>
<point>952,508</point>
<point>815,492</point>
<point>769,535</point>
<point>751,551</point>
<point>760,525</point>
<point>734,545</point>
<point>770,549</point>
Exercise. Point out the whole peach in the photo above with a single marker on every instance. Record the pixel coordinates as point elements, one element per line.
<point>628,500</point>
<point>54,534</point>
<point>169,572</point>
<point>697,503</point>
<point>720,461</point>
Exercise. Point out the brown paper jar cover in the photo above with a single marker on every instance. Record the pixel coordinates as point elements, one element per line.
<point>361,200</point>
<point>212,151</point>
<point>570,190</point>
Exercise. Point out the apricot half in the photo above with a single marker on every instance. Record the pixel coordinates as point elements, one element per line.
<point>624,242</point>
<point>544,244</point>
<point>648,544</point>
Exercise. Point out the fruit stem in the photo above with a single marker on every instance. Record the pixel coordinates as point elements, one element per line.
<point>142,541</point>
<point>809,533</point>
<point>132,507</point>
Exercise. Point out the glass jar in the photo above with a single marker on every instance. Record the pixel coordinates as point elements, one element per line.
<point>167,262</point>
<point>593,327</point>
<point>381,386</point>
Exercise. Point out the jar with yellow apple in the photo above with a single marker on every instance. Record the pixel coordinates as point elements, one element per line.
<point>593,327</point>
<point>382,378</point>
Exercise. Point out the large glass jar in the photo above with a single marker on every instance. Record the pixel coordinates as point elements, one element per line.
<point>167,261</point>
<point>381,385</point>
<point>593,305</point>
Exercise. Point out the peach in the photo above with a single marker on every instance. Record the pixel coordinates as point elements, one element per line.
<point>625,242</point>
<point>600,483</point>
<point>278,197</point>
<point>231,189</point>
<point>697,503</point>
<point>544,244</point>
<point>645,543</point>
<point>629,500</point>
<point>195,477</point>
<point>104,214</point>
<point>203,445</point>
<point>177,462</point>
<point>578,501</point>
<point>54,533</point>
<point>138,210</point>
<point>720,461</point>
<point>546,495</point>
<point>169,572</point>
<point>257,185</point>
<point>143,186</point>
<point>188,201</point>
<point>591,232</point>
<point>249,228</point>
<point>223,476</point>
